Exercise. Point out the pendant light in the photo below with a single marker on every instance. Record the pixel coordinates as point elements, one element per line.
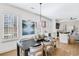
<point>40,18</point>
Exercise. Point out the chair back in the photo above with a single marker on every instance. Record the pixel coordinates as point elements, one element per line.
<point>36,50</point>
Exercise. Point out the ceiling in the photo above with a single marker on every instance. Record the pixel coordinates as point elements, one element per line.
<point>52,10</point>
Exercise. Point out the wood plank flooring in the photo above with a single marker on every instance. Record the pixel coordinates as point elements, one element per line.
<point>61,50</point>
<point>10,53</point>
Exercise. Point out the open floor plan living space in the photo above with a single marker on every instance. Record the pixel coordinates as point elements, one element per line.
<point>39,29</point>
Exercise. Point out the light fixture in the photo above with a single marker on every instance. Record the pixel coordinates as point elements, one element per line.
<point>71,18</point>
<point>32,7</point>
<point>40,17</point>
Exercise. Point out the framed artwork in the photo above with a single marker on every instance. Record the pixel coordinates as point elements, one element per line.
<point>28,27</point>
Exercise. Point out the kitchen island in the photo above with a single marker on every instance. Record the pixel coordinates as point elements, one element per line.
<point>64,37</point>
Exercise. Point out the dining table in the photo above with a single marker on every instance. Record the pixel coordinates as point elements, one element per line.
<point>24,45</point>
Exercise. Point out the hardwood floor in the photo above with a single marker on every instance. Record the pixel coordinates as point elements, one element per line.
<point>67,50</point>
<point>10,53</point>
<point>61,50</point>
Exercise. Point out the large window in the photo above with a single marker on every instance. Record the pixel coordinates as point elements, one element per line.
<point>10,27</point>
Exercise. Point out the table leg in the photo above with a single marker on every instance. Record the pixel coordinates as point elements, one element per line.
<point>18,50</point>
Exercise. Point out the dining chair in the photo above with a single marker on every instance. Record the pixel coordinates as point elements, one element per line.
<point>49,48</point>
<point>36,51</point>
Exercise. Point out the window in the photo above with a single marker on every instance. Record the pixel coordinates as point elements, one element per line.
<point>10,27</point>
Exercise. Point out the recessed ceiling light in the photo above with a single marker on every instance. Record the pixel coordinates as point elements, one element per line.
<point>32,8</point>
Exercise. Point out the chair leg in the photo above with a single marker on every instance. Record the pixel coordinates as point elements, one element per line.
<point>45,51</point>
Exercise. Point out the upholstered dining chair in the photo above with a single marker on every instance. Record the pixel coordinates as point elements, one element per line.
<point>36,51</point>
<point>48,48</point>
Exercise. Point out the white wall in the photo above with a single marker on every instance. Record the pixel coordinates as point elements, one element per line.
<point>53,28</point>
<point>21,14</point>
